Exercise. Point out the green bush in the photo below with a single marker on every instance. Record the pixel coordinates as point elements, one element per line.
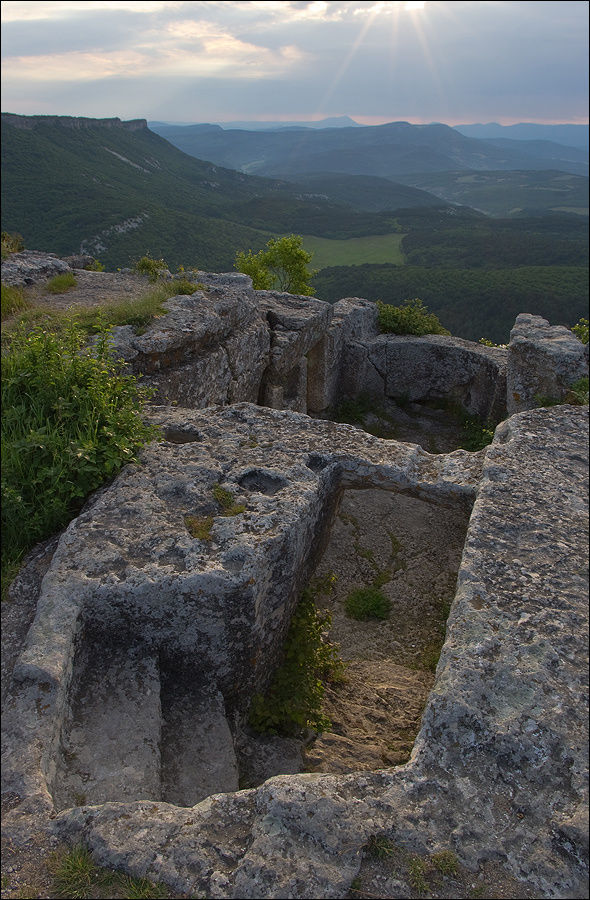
<point>70,420</point>
<point>283,266</point>
<point>59,284</point>
<point>581,330</point>
<point>11,243</point>
<point>153,268</point>
<point>294,698</point>
<point>94,266</point>
<point>412,317</point>
<point>367,603</point>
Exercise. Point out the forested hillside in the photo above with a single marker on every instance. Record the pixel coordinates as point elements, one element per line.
<point>116,191</point>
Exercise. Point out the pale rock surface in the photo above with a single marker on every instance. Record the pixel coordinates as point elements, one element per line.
<point>31,267</point>
<point>499,770</point>
<point>430,368</point>
<point>543,362</point>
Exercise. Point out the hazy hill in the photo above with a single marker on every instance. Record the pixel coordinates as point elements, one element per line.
<point>387,151</point>
<point>118,189</point>
<point>504,193</point>
<point>568,135</point>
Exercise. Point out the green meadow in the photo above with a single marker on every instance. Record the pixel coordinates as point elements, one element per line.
<point>378,248</point>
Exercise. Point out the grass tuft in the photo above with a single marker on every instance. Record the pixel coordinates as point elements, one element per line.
<point>367,603</point>
<point>13,301</point>
<point>59,284</point>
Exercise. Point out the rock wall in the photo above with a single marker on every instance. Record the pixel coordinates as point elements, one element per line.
<point>498,774</point>
<point>229,343</point>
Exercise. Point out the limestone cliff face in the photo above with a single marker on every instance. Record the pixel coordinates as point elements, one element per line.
<point>28,123</point>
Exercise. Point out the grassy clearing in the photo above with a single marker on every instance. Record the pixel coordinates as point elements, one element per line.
<point>377,248</point>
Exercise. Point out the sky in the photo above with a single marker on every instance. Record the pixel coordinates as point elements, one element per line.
<point>297,60</point>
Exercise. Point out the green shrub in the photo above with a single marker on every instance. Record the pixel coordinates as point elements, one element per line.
<point>13,300</point>
<point>70,420</point>
<point>294,698</point>
<point>581,330</point>
<point>184,286</point>
<point>412,317</point>
<point>367,603</point>
<point>476,434</point>
<point>11,243</point>
<point>153,268</point>
<point>283,266</point>
<point>59,284</point>
<point>94,266</point>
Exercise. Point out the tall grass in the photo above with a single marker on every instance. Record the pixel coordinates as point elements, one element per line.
<point>70,420</point>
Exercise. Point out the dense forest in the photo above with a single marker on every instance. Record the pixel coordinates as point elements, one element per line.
<point>471,303</point>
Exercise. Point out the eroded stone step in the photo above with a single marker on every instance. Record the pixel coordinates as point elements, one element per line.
<point>111,749</point>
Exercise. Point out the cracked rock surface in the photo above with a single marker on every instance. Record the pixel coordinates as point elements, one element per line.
<point>498,773</point>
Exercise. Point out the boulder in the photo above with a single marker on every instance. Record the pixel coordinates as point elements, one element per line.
<point>31,267</point>
<point>543,362</point>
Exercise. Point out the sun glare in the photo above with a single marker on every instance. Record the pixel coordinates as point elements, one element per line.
<point>411,6</point>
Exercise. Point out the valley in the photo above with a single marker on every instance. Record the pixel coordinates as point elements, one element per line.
<point>478,229</point>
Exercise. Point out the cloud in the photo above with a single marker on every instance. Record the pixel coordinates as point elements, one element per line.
<point>450,61</point>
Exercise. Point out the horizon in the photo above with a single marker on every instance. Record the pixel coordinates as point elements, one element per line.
<point>287,61</point>
<point>291,121</point>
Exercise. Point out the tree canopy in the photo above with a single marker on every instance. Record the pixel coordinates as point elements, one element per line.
<point>283,266</point>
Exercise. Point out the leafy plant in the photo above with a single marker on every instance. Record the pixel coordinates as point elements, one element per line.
<point>59,284</point>
<point>11,243</point>
<point>70,420</point>
<point>476,434</point>
<point>578,392</point>
<point>282,266</point>
<point>412,317</point>
<point>94,266</point>
<point>153,268</point>
<point>581,330</point>
<point>367,603</point>
<point>379,847</point>
<point>294,699</point>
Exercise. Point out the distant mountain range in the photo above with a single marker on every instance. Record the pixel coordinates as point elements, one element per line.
<point>393,151</point>
<point>116,189</point>
<point>568,135</point>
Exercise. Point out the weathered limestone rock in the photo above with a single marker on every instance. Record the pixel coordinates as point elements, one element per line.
<point>430,368</point>
<point>499,770</point>
<point>543,361</point>
<point>298,325</point>
<point>30,267</point>
<point>78,260</point>
<point>211,347</point>
<point>353,320</point>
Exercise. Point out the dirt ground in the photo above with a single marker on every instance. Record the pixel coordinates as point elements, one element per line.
<point>412,548</point>
<point>92,289</point>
